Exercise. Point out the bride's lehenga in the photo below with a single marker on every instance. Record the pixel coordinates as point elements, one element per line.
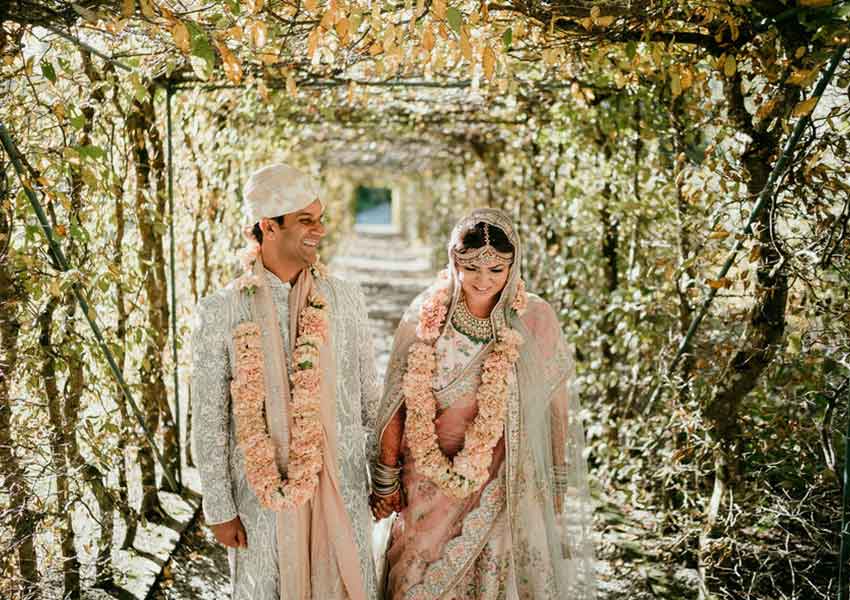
<point>526,533</point>
<point>437,533</point>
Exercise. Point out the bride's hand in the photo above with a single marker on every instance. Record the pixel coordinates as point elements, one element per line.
<point>384,506</point>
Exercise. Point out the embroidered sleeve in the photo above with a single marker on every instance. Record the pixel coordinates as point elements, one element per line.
<point>211,410</point>
<point>369,387</point>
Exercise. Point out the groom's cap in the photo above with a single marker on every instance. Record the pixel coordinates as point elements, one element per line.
<point>277,190</point>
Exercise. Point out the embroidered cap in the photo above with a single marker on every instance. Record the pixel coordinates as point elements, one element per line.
<point>277,190</point>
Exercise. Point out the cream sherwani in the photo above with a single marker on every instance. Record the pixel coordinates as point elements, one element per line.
<point>226,494</point>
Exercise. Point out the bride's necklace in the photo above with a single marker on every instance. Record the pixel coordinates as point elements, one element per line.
<point>475,328</point>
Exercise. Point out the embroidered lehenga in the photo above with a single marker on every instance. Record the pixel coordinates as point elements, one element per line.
<point>526,532</point>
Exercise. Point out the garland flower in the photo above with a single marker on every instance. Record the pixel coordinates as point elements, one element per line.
<point>273,490</point>
<point>469,470</point>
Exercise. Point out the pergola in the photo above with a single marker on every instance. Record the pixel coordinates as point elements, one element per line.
<point>451,79</point>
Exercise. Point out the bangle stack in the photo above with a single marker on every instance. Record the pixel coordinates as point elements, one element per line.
<point>385,480</point>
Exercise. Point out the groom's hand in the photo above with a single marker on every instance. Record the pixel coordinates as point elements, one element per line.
<point>384,506</point>
<point>230,533</point>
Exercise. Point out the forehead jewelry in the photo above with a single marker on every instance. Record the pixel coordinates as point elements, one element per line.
<point>483,256</point>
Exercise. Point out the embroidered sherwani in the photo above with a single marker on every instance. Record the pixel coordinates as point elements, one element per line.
<point>226,493</point>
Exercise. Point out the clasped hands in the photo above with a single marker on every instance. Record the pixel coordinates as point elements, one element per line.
<point>383,506</point>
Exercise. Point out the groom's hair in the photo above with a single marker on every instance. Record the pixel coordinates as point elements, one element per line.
<point>257,231</point>
<point>475,238</point>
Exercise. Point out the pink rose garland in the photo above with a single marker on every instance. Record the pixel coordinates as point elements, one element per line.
<point>470,468</point>
<point>307,437</point>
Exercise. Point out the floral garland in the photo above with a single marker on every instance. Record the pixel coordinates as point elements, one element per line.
<point>470,468</point>
<point>248,389</point>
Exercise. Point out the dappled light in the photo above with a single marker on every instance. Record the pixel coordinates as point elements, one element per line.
<point>676,171</point>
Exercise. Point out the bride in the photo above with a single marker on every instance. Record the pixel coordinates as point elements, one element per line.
<point>480,446</point>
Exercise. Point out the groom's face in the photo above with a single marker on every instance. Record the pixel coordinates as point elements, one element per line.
<point>299,236</point>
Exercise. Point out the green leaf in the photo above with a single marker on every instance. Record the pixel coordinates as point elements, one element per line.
<point>508,38</point>
<point>201,46</point>
<point>90,151</point>
<point>631,50</point>
<point>48,72</point>
<point>78,233</point>
<point>454,18</point>
<point>78,121</point>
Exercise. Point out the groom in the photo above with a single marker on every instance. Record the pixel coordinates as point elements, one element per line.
<point>284,392</point>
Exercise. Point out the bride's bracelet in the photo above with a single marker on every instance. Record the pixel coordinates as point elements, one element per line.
<point>385,480</point>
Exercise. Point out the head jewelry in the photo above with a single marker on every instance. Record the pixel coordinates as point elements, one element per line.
<point>485,256</point>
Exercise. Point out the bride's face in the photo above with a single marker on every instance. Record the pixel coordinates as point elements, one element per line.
<point>482,283</point>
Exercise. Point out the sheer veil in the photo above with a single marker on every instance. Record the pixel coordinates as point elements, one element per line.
<point>548,500</point>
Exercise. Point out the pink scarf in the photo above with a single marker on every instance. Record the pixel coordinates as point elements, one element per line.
<point>317,554</point>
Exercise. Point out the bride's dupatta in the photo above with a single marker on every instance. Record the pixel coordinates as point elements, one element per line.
<point>547,543</point>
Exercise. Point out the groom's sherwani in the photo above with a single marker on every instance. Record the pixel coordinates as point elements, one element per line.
<point>226,493</point>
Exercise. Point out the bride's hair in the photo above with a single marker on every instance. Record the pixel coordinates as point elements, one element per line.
<point>474,238</point>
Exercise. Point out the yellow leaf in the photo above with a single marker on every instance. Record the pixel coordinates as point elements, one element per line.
<point>268,58</point>
<point>255,5</point>
<point>800,77</point>
<point>718,284</point>
<point>59,111</point>
<point>351,92</point>
<point>443,31</point>
<point>147,8</point>
<point>428,40</point>
<point>389,38</point>
<point>438,7</point>
<point>60,230</point>
<point>291,87</point>
<point>605,21</point>
<point>718,235</point>
<point>420,8</point>
<point>128,7</point>
<point>485,12</point>
<point>814,3</point>
<point>465,46</point>
<point>675,84</point>
<point>805,107</point>
<point>259,33</point>
<point>767,108</point>
<point>342,27</point>
<point>488,61</point>
<point>755,254</point>
<point>311,5</point>
<point>686,78</point>
<point>520,30</point>
<point>375,49</point>
<point>232,68</point>
<point>730,66</point>
<point>180,33</point>
<point>800,52</point>
<point>313,42</point>
<point>235,33</point>
<point>327,20</point>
